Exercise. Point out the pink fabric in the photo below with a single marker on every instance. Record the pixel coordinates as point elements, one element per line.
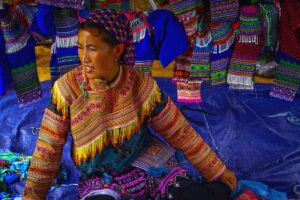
<point>249,10</point>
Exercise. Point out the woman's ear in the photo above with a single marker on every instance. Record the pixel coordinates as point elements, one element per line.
<point>118,51</point>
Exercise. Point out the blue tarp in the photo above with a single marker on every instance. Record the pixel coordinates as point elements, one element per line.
<point>237,125</point>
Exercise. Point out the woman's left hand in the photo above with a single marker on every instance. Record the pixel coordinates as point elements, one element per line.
<point>228,177</point>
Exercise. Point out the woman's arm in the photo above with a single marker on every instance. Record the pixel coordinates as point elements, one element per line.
<point>47,155</point>
<point>167,120</point>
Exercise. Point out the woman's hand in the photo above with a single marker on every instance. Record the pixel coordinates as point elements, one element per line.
<point>228,177</point>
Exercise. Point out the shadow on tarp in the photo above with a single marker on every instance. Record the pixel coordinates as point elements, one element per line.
<point>234,123</point>
<point>237,126</point>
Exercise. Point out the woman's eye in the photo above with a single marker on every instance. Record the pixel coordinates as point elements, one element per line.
<point>92,49</point>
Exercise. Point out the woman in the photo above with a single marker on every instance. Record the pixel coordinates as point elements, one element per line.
<point>108,106</point>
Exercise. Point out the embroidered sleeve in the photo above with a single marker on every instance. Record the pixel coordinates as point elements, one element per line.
<point>172,125</point>
<point>47,155</point>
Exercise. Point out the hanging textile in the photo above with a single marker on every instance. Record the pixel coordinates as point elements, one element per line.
<point>223,38</point>
<point>247,50</point>
<point>19,47</point>
<point>224,11</point>
<point>154,37</point>
<point>78,4</point>
<point>110,4</point>
<point>200,62</point>
<point>270,23</point>
<point>188,90</point>
<point>65,47</point>
<point>287,78</point>
<point>143,41</point>
<point>5,77</point>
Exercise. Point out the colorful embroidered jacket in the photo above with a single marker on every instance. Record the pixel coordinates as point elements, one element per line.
<point>108,124</point>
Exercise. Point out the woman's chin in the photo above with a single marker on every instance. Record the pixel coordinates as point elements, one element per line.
<point>90,76</point>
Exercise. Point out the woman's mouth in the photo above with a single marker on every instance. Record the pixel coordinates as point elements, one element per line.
<point>88,68</point>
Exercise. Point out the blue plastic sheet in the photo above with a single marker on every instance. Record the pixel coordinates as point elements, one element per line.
<point>237,124</point>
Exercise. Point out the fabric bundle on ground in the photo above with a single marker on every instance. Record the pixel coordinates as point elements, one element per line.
<point>246,50</point>
<point>19,47</point>
<point>287,79</point>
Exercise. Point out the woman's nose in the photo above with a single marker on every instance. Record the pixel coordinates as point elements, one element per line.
<point>86,56</point>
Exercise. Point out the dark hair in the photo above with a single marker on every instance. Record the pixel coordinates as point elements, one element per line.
<point>102,32</point>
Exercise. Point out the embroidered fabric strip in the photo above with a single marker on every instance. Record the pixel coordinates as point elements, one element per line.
<point>242,65</point>
<point>289,29</point>
<point>26,84</point>
<point>189,92</point>
<point>246,50</point>
<point>287,80</point>
<point>4,67</point>
<point>64,53</point>
<point>144,66</point>
<point>78,4</point>
<point>138,25</point>
<point>179,6</point>
<point>17,44</point>
<point>223,37</point>
<point>108,4</point>
<point>54,68</point>
<point>200,66</point>
<point>219,67</point>
<point>288,56</point>
<point>186,91</point>
<point>250,24</point>
<point>270,22</point>
<point>200,61</point>
<point>16,34</point>
<point>224,11</point>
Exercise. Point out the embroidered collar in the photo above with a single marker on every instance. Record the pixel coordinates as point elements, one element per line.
<point>95,85</point>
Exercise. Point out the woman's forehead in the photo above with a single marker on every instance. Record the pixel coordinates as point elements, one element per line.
<point>89,34</point>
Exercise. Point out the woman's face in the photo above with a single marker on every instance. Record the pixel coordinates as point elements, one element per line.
<point>98,59</point>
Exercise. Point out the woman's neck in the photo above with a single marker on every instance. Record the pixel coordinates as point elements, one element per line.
<point>99,83</point>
